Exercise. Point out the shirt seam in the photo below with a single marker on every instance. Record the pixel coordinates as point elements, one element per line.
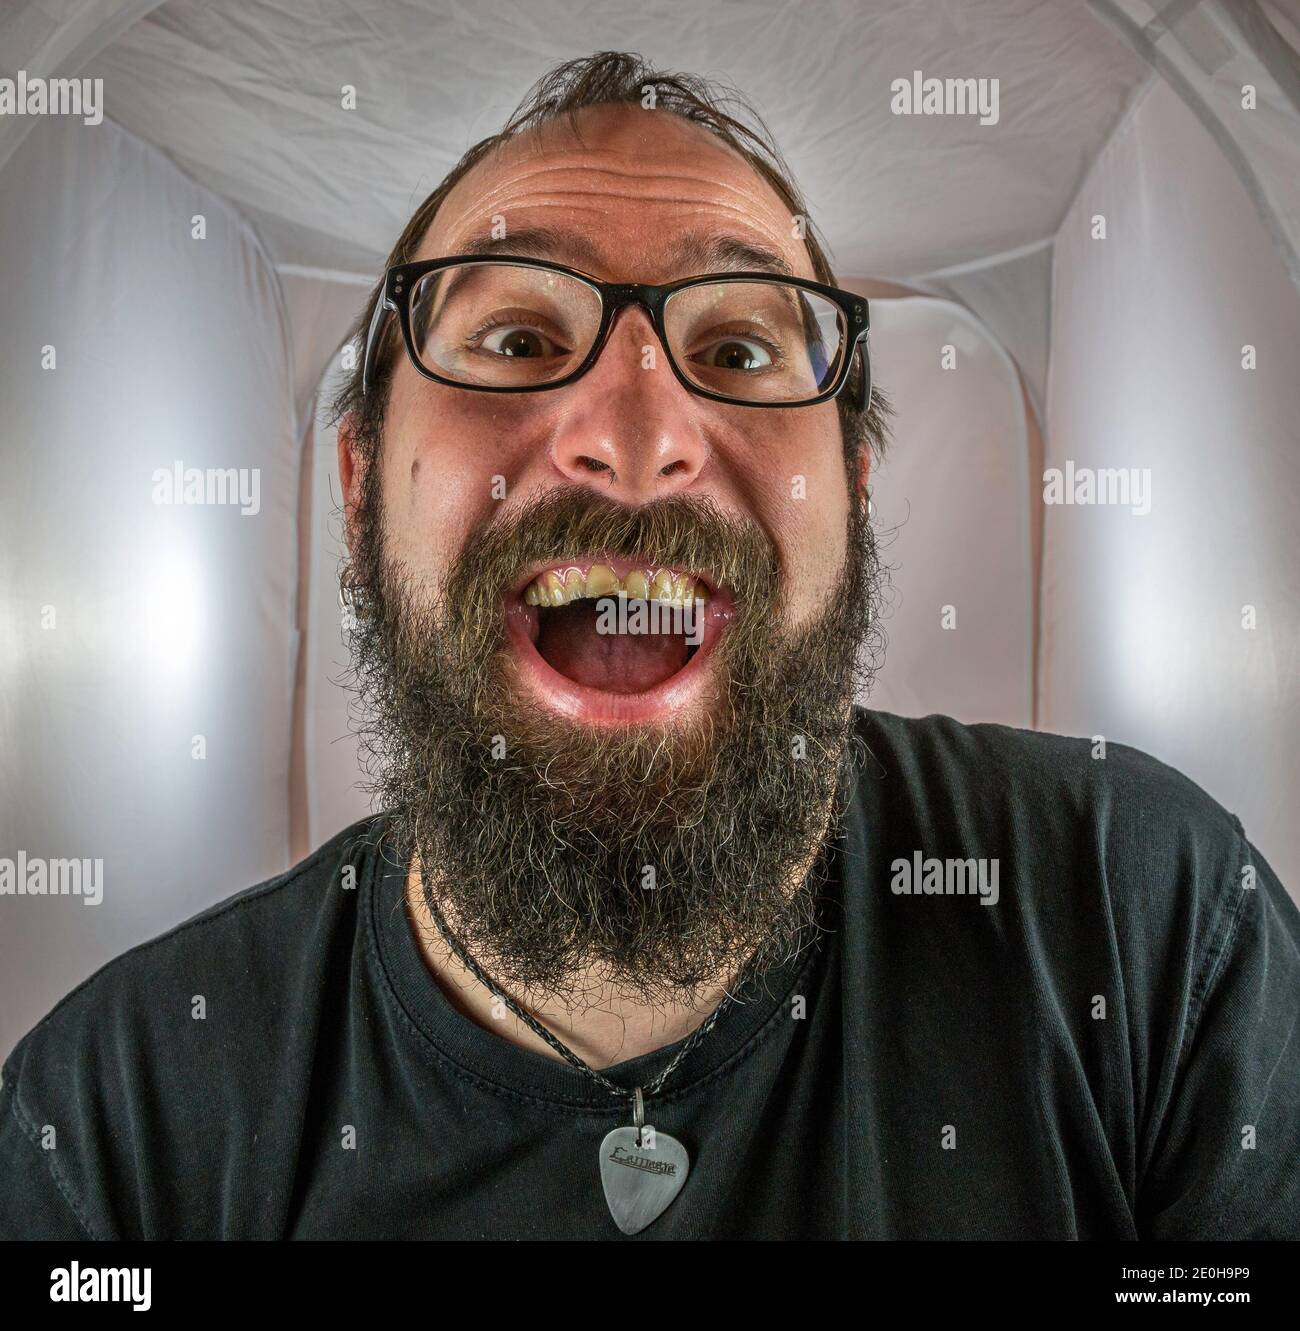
<point>248,897</point>
<point>559,1103</point>
<point>28,1128</point>
<point>1217,952</point>
<point>538,1100</point>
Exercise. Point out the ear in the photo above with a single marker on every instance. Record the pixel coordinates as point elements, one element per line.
<point>352,473</point>
<point>861,495</point>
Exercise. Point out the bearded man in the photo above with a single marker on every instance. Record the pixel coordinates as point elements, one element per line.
<point>659,933</point>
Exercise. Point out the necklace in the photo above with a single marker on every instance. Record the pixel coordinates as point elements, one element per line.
<point>641,1170</point>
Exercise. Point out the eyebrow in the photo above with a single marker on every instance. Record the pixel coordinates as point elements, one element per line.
<point>536,242</point>
<point>702,253</point>
<point>720,254</point>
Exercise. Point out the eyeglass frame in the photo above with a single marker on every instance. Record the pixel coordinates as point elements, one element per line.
<point>401,279</point>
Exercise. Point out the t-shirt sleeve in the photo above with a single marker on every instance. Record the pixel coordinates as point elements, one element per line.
<point>1225,1162</point>
<point>34,1202</point>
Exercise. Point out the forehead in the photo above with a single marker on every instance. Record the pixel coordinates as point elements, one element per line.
<point>636,195</point>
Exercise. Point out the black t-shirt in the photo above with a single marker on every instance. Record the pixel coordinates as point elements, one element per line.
<point>1110,1049</point>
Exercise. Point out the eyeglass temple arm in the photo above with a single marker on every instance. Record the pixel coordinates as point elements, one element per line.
<point>864,397</point>
<point>382,308</point>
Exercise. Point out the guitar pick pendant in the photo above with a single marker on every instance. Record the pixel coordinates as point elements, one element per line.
<point>642,1171</point>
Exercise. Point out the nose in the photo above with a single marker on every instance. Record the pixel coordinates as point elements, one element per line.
<point>629,427</point>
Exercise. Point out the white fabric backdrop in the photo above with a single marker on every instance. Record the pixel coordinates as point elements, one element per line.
<point>1142,638</point>
<point>1210,52</point>
<point>953,518</point>
<point>170,621</point>
<point>1011,296</point>
<point>246,96</point>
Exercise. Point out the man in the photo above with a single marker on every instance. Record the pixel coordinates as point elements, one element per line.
<point>659,934</point>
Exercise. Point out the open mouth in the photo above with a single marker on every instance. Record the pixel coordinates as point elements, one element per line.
<point>604,639</point>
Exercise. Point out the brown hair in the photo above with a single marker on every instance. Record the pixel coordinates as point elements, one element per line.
<point>606,78</point>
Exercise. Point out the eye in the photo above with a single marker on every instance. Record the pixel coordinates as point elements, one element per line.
<point>735,353</point>
<point>518,340</point>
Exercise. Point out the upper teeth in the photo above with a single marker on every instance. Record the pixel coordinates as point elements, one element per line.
<point>560,587</point>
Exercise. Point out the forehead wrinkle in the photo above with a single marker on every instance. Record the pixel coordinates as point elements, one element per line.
<point>702,219</point>
<point>752,199</point>
<point>621,140</point>
<point>753,189</point>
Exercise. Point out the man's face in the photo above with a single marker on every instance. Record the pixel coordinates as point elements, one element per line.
<point>627,433</point>
<point>550,764</point>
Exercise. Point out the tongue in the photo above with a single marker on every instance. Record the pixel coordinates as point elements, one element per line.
<point>615,662</point>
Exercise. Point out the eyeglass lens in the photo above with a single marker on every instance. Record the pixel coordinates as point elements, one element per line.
<point>512,326</point>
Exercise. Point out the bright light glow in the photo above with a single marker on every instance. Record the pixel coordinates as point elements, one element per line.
<point>173,607</point>
<point>1153,672</point>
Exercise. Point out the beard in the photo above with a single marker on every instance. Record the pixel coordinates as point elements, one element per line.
<point>658,857</point>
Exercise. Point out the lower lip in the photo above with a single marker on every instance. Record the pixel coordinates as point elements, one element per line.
<point>678,693</point>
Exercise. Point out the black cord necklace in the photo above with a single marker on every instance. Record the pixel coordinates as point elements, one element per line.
<point>641,1170</point>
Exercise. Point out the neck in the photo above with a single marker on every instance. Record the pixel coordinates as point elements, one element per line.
<point>602,1022</point>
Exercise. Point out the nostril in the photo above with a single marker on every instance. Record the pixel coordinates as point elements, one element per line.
<point>594,464</point>
<point>671,468</point>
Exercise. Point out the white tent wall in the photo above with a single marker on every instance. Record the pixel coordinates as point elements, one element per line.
<point>1010,294</point>
<point>331,186</point>
<point>56,41</point>
<point>960,619</point>
<point>130,627</point>
<point>321,307</point>
<point>1236,64</point>
<point>1146,636</point>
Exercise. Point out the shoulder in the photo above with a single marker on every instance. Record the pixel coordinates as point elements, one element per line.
<point>164,1044</point>
<point>1100,846</point>
<point>1078,785</point>
<point>255,931</point>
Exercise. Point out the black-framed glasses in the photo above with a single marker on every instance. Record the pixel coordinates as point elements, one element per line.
<point>507,324</point>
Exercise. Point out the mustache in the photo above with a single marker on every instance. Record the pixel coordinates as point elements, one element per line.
<point>685,531</point>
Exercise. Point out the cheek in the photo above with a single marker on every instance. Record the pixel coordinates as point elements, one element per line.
<point>822,537</point>
<point>804,499</point>
<point>441,480</point>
